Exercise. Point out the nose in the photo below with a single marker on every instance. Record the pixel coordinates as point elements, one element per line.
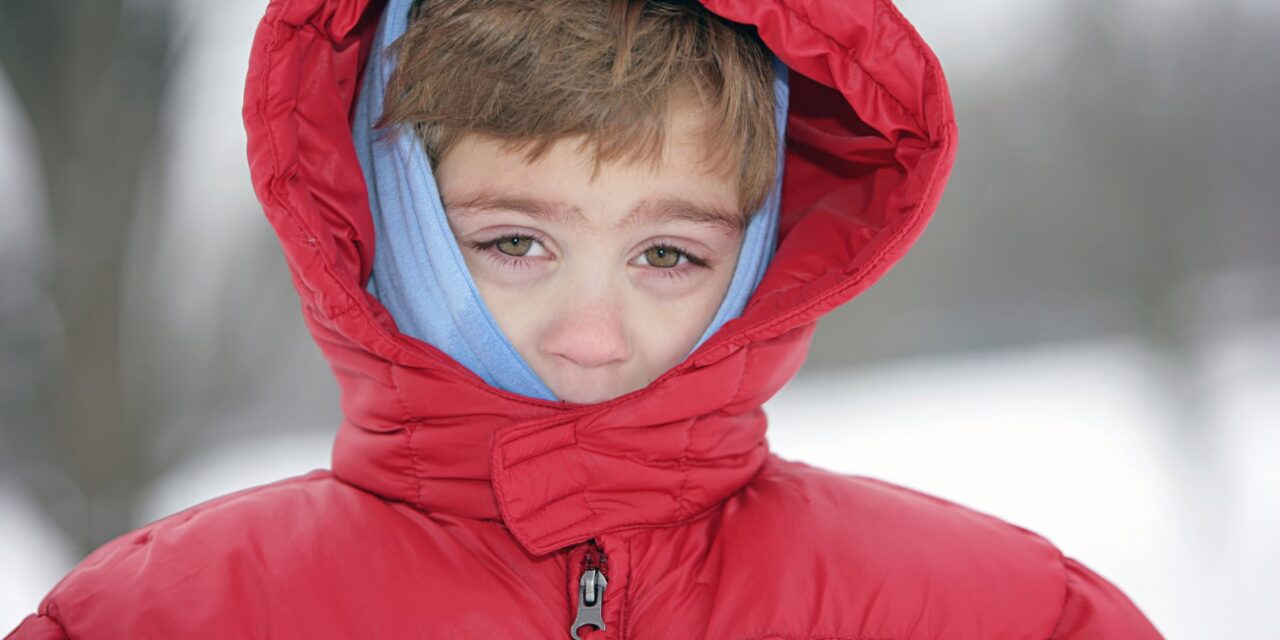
<point>588,329</point>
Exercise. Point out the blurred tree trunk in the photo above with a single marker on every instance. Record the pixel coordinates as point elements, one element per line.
<point>90,77</point>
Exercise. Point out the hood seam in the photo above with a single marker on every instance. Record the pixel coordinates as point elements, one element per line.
<point>850,52</point>
<point>682,502</point>
<point>751,334</point>
<point>410,430</point>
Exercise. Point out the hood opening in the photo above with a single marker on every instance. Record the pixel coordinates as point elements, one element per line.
<point>420,274</point>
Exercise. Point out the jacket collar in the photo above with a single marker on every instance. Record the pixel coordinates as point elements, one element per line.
<point>420,428</point>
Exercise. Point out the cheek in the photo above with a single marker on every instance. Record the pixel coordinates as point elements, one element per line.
<point>489,270</point>
<point>514,309</point>
<point>668,329</point>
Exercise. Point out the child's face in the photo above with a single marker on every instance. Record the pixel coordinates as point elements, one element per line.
<point>601,285</point>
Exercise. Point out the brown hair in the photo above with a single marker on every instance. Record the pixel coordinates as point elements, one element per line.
<point>530,72</point>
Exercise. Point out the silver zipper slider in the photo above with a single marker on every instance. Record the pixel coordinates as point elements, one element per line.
<point>590,596</point>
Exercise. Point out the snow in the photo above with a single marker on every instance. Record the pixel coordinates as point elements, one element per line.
<point>34,555</point>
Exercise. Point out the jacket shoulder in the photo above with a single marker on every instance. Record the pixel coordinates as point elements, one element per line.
<point>185,570</point>
<point>904,555</point>
<point>1095,608</point>
<point>894,529</point>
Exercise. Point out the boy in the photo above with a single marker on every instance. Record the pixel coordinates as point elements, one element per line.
<point>633,131</point>
<point>576,448</point>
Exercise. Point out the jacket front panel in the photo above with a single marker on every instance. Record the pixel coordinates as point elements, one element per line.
<point>314,557</point>
<point>454,509</point>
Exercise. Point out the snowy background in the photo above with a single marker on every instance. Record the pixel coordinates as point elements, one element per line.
<point>1085,342</point>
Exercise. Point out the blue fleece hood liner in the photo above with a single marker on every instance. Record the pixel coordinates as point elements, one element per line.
<point>419,273</point>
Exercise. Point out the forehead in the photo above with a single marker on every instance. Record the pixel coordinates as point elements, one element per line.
<point>476,204</point>
<point>686,148</point>
<point>479,175</point>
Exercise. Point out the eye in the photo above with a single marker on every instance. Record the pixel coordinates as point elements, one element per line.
<point>514,245</point>
<point>514,250</point>
<point>663,256</point>
<point>670,258</point>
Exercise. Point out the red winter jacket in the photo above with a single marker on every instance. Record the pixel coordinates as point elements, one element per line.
<point>456,510</point>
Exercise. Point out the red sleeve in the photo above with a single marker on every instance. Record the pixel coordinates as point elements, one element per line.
<point>1096,610</point>
<point>37,626</point>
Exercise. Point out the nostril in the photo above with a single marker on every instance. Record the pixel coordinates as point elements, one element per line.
<point>592,356</point>
<point>588,340</point>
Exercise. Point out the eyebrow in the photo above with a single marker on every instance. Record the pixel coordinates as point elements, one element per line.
<point>646,212</point>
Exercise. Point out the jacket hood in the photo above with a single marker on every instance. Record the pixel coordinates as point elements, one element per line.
<point>871,139</point>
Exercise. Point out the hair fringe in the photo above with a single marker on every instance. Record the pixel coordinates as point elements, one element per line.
<point>530,73</point>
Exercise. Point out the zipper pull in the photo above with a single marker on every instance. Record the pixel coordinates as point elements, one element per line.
<point>591,590</point>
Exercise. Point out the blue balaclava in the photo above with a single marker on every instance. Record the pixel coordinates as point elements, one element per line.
<point>419,273</point>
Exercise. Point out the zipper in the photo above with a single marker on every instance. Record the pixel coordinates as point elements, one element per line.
<point>591,586</point>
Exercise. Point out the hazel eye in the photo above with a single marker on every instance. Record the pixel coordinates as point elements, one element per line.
<point>660,256</point>
<point>514,245</point>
